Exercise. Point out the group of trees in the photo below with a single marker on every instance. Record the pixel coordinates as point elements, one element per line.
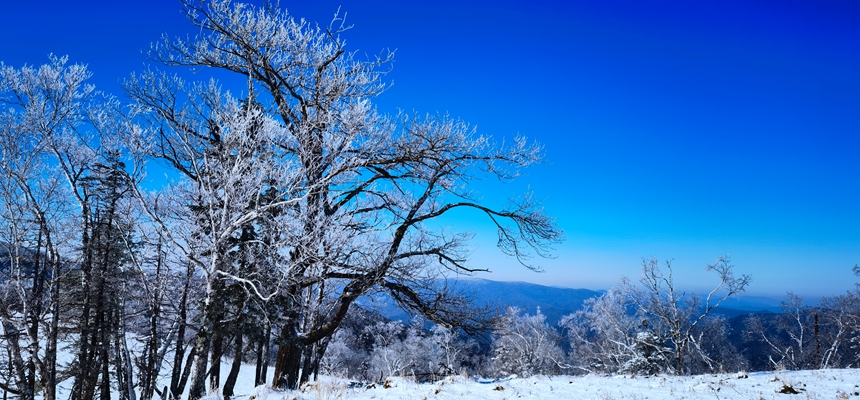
<point>807,337</point>
<point>646,329</point>
<point>281,207</point>
<point>654,328</point>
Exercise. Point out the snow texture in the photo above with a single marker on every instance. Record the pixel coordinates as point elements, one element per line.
<point>813,384</point>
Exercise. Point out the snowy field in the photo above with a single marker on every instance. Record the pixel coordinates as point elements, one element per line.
<point>819,384</point>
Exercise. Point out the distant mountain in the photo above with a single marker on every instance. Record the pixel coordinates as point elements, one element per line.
<point>554,302</point>
<point>752,304</point>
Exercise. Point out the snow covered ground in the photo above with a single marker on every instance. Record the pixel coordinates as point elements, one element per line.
<point>818,384</point>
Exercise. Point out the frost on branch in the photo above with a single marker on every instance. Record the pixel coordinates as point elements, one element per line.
<point>340,200</point>
<point>525,345</point>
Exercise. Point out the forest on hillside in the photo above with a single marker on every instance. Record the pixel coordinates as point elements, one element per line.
<point>279,209</point>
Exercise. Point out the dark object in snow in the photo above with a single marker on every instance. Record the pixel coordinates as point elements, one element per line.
<point>787,389</point>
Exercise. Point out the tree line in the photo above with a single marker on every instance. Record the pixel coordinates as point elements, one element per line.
<point>280,207</point>
<point>645,329</point>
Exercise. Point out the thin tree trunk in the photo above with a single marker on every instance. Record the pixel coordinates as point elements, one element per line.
<point>19,369</point>
<point>217,352</point>
<point>258,378</point>
<point>186,372</point>
<point>202,345</point>
<point>178,371</point>
<point>35,313</point>
<point>49,372</point>
<point>266,353</point>
<point>230,383</point>
<point>85,359</point>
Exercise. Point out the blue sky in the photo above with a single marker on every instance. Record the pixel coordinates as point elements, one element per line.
<point>679,130</point>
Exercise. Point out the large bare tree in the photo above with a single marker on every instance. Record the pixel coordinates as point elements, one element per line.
<point>348,192</point>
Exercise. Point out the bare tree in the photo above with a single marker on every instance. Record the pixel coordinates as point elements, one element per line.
<point>804,337</point>
<point>675,313</point>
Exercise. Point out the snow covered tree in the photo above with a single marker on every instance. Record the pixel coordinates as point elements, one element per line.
<point>602,334</point>
<point>648,354</point>
<point>353,191</point>
<point>711,349</point>
<point>793,345</point>
<point>36,104</point>
<point>675,313</point>
<point>805,337</point>
<point>61,145</point>
<point>525,345</point>
<point>346,356</point>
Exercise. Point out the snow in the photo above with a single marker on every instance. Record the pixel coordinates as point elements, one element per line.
<point>815,384</point>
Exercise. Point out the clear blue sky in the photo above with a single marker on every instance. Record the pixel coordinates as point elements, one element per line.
<point>683,130</point>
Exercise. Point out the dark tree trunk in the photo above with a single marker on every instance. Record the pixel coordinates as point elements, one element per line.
<point>230,383</point>
<point>217,352</point>
<point>186,372</point>
<point>84,358</point>
<point>320,352</point>
<point>287,364</point>
<point>16,361</point>
<point>817,359</point>
<point>105,381</point>
<point>264,371</point>
<point>307,359</point>
<point>259,379</point>
<point>152,362</point>
<point>176,376</point>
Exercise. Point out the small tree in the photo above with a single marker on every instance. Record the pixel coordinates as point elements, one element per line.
<point>648,353</point>
<point>526,345</point>
<point>602,333</point>
<point>675,313</point>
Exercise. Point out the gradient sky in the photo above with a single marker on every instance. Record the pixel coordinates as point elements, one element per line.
<point>680,130</point>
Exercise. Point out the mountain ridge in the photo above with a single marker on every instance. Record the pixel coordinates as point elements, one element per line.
<point>554,302</point>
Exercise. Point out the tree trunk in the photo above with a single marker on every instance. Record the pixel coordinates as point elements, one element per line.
<point>12,333</point>
<point>217,352</point>
<point>84,357</point>
<point>259,379</point>
<point>176,376</point>
<point>230,383</point>
<point>307,359</point>
<point>287,364</point>
<point>35,312</point>
<point>149,373</point>
<point>264,369</point>
<point>49,372</point>
<point>125,378</point>
<point>176,393</point>
<point>202,344</point>
<point>105,381</point>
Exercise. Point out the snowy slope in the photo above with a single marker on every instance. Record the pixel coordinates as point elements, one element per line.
<point>819,384</point>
